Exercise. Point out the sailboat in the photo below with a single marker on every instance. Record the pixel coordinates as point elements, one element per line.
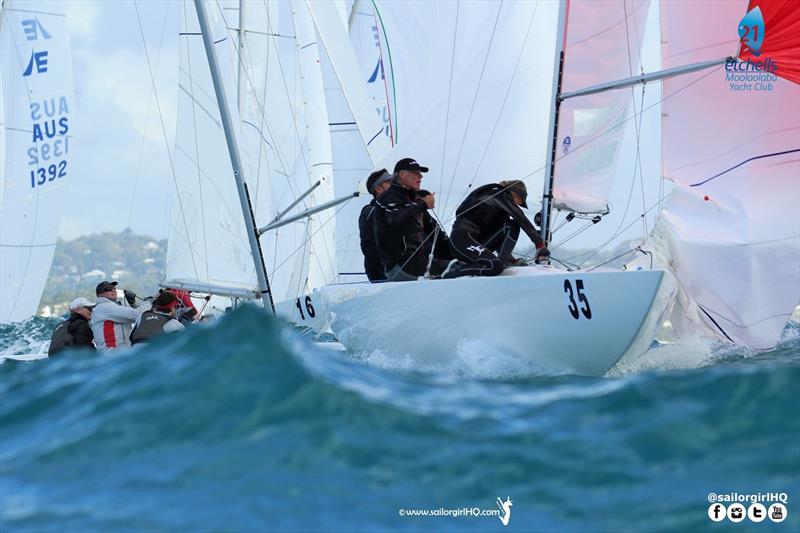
<point>303,99</point>
<point>36,138</point>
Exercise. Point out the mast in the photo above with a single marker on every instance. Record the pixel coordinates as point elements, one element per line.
<point>558,70</point>
<point>236,162</point>
<point>241,32</point>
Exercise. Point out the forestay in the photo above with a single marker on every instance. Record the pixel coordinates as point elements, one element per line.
<point>36,140</point>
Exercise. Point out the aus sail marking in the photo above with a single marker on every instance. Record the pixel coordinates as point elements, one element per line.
<point>50,140</point>
<point>582,297</point>
<point>49,117</point>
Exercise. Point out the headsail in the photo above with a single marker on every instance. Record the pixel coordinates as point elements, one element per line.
<point>731,145</point>
<point>37,138</point>
<point>603,43</point>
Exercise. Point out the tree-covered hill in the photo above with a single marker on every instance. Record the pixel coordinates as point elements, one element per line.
<point>135,261</point>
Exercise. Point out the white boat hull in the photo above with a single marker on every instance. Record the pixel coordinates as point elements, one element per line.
<point>562,322</point>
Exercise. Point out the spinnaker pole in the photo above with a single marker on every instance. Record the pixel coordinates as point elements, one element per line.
<point>558,71</point>
<point>236,162</point>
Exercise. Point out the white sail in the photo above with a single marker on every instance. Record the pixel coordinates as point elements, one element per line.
<point>35,157</point>
<point>207,242</point>
<point>603,43</point>
<point>730,230</point>
<point>270,62</point>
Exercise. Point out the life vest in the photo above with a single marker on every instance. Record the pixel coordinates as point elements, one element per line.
<point>151,324</point>
<point>64,334</point>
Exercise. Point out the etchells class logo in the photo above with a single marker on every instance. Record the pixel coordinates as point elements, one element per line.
<point>751,75</point>
<point>751,31</point>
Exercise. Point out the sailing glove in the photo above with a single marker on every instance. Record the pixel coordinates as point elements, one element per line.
<point>543,256</point>
<point>130,296</point>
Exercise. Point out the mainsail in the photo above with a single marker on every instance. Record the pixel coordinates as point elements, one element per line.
<point>36,138</point>
<point>730,230</point>
<point>270,70</point>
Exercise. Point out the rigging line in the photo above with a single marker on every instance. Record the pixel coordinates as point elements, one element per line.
<point>736,148</point>
<point>637,163</point>
<point>164,131</point>
<point>336,212</point>
<point>597,250</point>
<point>763,156</point>
<point>147,121</point>
<point>474,100</point>
<point>569,237</point>
<point>250,84</point>
<point>623,254</point>
<point>449,97</point>
<point>637,126</point>
<point>715,323</point>
<point>505,101</point>
<point>294,116</point>
<point>603,133</point>
<point>197,150</point>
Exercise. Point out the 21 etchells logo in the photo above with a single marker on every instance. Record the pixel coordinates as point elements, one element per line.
<point>751,75</point>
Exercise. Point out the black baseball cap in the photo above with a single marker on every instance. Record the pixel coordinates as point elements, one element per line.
<point>105,286</point>
<point>408,163</point>
<point>518,187</point>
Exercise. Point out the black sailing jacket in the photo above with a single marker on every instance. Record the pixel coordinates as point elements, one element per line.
<point>405,229</point>
<point>484,212</point>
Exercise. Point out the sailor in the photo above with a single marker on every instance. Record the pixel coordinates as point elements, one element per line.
<point>377,183</point>
<point>111,321</point>
<point>486,229</point>
<point>406,232</point>
<point>75,331</point>
<point>158,320</point>
<point>186,312</point>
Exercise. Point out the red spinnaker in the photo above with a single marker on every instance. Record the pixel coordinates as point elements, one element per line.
<point>781,37</point>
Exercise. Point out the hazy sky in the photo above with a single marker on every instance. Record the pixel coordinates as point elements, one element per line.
<point>121,157</point>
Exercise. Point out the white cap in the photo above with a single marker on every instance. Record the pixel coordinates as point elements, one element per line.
<point>80,302</point>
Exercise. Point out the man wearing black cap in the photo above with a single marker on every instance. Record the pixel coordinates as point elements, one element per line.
<point>111,321</point>
<point>486,229</point>
<point>377,183</point>
<point>406,232</point>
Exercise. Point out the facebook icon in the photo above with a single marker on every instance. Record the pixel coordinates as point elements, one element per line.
<point>717,512</point>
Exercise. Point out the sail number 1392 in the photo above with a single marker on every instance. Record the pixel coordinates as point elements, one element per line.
<point>584,308</point>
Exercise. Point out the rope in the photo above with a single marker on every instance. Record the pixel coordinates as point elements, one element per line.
<point>164,133</point>
<point>146,121</point>
<point>475,97</point>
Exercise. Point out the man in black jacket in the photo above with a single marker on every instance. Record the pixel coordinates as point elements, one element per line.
<point>486,229</point>
<point>75,331</point>
<point>406,232</point>
<point>377,183</point>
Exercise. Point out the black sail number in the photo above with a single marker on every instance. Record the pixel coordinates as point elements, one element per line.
<point>309,308</point>
<point>582,298</point>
